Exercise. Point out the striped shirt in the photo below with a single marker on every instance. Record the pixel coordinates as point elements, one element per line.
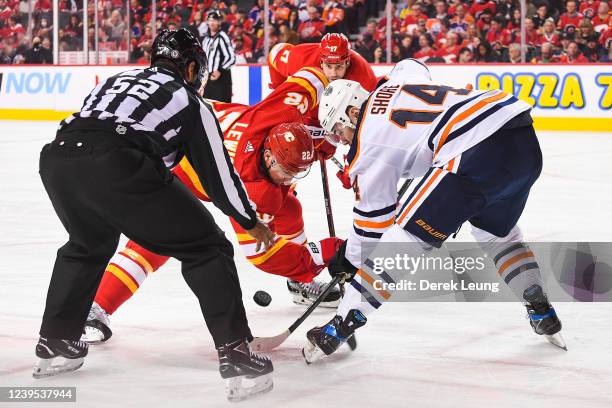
<point>155,110</point>
<point>219,51</point>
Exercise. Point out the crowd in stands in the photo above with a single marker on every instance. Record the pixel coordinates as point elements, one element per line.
<point>464,31</point>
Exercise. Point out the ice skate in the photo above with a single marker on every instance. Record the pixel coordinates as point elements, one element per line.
<point>324,340</point>
<point>70,355</point>
<point>306,293</point>
<point>97,327</point>
<point>246,373</point>
<point>543,317</point>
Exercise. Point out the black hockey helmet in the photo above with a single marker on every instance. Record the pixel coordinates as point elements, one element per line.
<point>181,47</point>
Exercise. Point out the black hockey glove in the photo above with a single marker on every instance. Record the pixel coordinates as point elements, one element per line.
<point>339,265</point>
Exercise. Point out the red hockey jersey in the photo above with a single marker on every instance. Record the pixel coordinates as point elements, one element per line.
<point>245,129</point>
<point>286,59</point>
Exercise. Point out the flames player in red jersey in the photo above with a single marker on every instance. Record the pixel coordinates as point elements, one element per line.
<point>270,149</point>
<point>337,61</point>
<point>333,55</point>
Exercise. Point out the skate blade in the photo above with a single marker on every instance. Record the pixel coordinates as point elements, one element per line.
<point>311,352</point>
<point>556,340</point>
<point>242,387</point>
<point>45,368</point>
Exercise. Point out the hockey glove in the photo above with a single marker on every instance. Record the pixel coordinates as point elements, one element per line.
<point>344,179</point>
<point>339,265</point>
<point>322,251</point>
<point>324,149</point>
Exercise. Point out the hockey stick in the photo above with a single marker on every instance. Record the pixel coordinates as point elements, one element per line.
<point>269,343</point>
<point>328,209</point>
<point>351,341</point>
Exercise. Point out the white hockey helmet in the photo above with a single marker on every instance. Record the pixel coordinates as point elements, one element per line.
<point>337,97</point>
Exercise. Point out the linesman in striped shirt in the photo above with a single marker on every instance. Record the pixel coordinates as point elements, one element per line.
<point>106,173</point>
<point>221,57</point>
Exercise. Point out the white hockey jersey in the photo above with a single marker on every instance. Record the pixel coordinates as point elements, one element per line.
<point>410,124</point>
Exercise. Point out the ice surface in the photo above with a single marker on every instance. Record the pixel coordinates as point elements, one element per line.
<point>417,355</point>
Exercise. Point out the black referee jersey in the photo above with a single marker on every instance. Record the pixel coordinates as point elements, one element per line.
<point>156,111</point>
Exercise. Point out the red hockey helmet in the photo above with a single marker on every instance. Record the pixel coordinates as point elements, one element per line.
<point>291,146</point>
<point>335,48</point>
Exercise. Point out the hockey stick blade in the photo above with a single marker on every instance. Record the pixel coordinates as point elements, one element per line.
<point>270,343</point>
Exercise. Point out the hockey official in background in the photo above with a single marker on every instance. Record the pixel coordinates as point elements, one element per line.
<point>106,173</point>
<point>221,57</point>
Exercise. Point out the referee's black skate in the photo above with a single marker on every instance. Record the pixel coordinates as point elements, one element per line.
<point>71,354</point>
<point>246,373</point>
<point>542,316</point>
<point>324,340</point>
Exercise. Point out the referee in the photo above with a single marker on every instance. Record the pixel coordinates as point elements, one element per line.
<point>106,174</point>
<point>221,57</point>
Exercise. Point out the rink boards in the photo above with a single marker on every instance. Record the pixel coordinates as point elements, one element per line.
<point>564,97</point>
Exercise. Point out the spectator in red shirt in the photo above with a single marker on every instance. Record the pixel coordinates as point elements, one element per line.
<point>588,8</point>
<point>484,22</point>
<point>450,49</point>
<point>247,42</point>
<point>530,31</point>
<point>232,14</point>
<point>312,29</point>
<point>5,11</point>
<point>497,33</point>
<point>480,5</point>
<point>549,34</point>
<point>570,20</point>
<point>602,18</point>
<point>413,18</point>
<point>573,55</point>
<point>425,50</point>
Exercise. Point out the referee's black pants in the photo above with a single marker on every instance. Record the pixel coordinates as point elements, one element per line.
<point>221,89</point>
<point>101,186</point>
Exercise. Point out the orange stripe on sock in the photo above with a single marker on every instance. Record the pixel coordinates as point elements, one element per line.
<point>370,280</point>
<point>375,224</point>
<point>139,259</point>
<point>514,259</point>
<point>123,276</point>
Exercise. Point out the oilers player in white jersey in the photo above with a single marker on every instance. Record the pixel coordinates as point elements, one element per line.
<point>478,156</point>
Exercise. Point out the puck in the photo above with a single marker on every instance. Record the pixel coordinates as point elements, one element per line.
<point>262,298</point>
